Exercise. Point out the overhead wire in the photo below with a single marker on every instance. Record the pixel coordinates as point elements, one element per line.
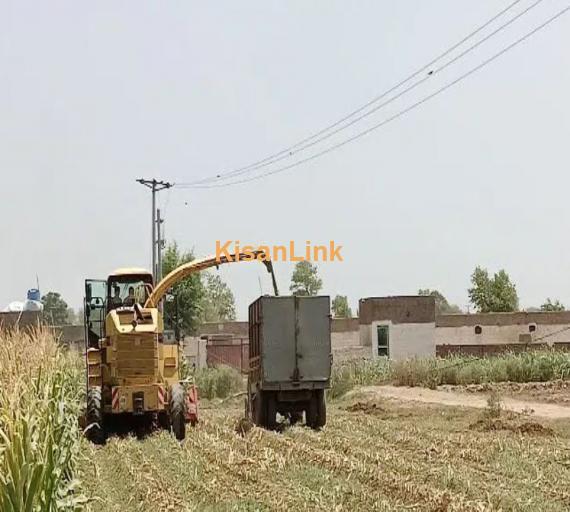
<point>291,150</point>
<point>391,118</point>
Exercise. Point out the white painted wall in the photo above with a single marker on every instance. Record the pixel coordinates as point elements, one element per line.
<point>405,340</point>
<point>195,351</point>
<point>494,334</point>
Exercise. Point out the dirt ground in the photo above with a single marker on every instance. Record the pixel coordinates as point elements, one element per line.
<point>554,392</point>
<point>477,400</point>
<point>376,453</point>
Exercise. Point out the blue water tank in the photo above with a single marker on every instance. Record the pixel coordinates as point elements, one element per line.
<point>34,294</point>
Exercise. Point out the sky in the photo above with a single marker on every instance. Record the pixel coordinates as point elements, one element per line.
<point>94,95</point>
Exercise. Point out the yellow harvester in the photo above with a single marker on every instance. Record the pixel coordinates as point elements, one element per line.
<point>132,371</point>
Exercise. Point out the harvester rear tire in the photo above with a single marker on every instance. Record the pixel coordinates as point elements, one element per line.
<point>95,430</point>
<point>177,411</point>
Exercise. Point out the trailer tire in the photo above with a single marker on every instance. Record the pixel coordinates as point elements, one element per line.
<point>95,430</point>
<point>321,419</point>
<point>177,416</point>
<point>270,411</point>
<point>311,412</point>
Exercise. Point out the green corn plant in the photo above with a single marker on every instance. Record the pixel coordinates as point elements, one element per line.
<point>39,433</point>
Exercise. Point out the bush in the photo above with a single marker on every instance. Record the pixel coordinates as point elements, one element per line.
<point>218,382</point>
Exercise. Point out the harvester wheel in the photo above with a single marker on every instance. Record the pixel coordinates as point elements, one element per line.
<point>177,413</point>
<point>95,431</point>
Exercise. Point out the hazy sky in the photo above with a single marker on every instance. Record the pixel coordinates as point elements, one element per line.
<point>96,94</point>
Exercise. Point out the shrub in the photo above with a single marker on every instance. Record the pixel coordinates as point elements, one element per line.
<point>218,382</point>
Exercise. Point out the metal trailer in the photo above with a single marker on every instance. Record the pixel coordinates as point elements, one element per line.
<point>290,359</point>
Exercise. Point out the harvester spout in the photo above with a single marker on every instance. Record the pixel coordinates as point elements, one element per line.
<point>178,274</point>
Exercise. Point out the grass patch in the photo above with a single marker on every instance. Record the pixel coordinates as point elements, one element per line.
<point>430,372</point>
<point>364,372</point>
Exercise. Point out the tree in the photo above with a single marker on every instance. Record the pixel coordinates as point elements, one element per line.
<point>185,310</point>
<point>55,308</point>
<point>305,279</point>
<point>493,295</point>
<point>552,306</point>
<point>71,318</point>
<point>219,303</point>
<point>442,307</point>
<point>340,307</point>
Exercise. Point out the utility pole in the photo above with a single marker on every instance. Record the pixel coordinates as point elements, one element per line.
<point>155,186</point>
<point>159,245</point>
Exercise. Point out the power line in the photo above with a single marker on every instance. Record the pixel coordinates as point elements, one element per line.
<point>288,152</point>
<point>393,98</point>
<point>395,116</point>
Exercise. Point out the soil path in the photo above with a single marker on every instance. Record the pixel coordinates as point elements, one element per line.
<point>451,398</point>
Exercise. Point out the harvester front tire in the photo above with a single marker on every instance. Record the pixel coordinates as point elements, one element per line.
<point>94,418</point>
<point>177,411</point>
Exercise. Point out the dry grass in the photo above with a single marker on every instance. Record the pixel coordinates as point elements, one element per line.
<point>420,458</point>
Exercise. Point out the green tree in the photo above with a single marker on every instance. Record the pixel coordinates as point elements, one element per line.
<point>340,307</point>
<point>71,318</point>
<point>55,308</point>
<point>218,303</point>
<point>552,306</point>
<point>442,306</point>
<point>188,294</point>
<point>493,295</point>
<point>305,279</point>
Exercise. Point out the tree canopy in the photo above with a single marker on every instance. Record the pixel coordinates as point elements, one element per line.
<point>218,303</point>
<point>340,307</point>
<point>55,309</point>
<point>442,306</point>
<point>305,279</point>
<point>493,294</point>
<point>552,306</point>
<point>185,310</point>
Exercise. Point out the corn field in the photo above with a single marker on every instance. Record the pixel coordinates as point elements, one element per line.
<point>39,433</point>
<point>373,454</point>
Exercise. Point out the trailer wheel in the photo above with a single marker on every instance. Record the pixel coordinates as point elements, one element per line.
<point>316,413</point>
<point>258,409</point>
<point>95,430</point>
<point>311,412</point>
<point>321,408</point>
<point>270,411</point>
<point>177,404</point>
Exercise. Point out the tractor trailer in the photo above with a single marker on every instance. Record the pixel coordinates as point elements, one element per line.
<point>290,359</point>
